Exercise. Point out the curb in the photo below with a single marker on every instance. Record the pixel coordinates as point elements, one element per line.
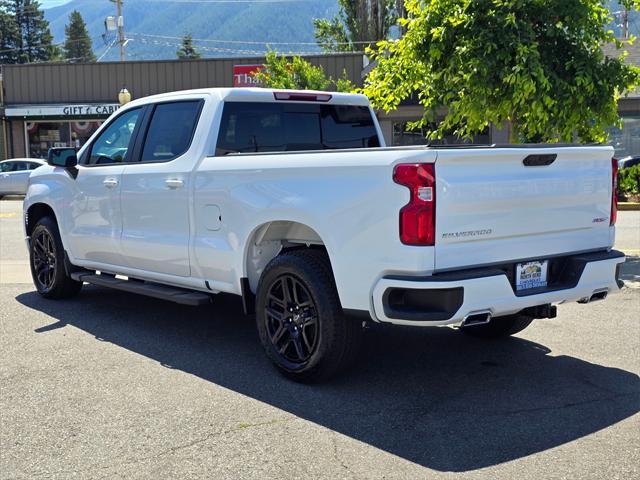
<point>626,206</point>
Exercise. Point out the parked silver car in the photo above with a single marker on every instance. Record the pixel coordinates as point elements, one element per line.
<point>14,175</point>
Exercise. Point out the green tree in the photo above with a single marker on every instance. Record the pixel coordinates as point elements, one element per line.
<point>27,32</point>
<point>538,64</point>
<point>9,35</point>
<point>358,23</point>
<point>77,45</point>
<point>187,51</point>
<point>298,74</point>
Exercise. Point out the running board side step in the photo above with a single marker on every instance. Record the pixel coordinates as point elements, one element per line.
<point>155,290</point>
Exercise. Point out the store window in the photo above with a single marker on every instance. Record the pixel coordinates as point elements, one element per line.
<point>626,140</point>
<point>404,134</point>
<point>41,136</point>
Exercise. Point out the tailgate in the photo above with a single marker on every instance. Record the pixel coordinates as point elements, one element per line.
<point>491,207</point>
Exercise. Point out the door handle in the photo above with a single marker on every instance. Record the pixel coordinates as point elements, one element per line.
<point>110,182</point>
<point>174,183</point>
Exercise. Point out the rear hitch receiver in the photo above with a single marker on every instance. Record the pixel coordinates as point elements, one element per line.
<point>541,311</point>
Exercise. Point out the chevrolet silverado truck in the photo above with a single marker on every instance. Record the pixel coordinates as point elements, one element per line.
<point>292,201</point>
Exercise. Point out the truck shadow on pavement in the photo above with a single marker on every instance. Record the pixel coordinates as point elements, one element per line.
<point>431,396</point>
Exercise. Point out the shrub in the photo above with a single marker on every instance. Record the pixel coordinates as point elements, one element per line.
<point>296,73</point>
<point>629,181</point>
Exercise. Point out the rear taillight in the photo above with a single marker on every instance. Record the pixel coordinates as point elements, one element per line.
<point>614,192</point>
<point>418,217</point>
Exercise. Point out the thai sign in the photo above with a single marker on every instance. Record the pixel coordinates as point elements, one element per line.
<point>243,75</point>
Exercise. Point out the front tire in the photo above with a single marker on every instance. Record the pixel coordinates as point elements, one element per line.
<point>47,262</point>
<point>300,320</point>
<point>499,327</point>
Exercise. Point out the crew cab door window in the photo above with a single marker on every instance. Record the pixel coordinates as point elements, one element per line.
<point>170,130</point>
<point>279,127</point>
<point>114,142</point>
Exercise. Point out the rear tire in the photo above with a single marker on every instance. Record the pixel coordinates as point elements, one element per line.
<point>48,263</point>
<point>300,320</point>
<point>499,327</point>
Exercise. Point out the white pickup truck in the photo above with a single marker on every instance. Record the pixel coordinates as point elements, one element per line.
<point>291,200</point>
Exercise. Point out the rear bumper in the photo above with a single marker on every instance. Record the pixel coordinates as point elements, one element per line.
<point>447,298</point>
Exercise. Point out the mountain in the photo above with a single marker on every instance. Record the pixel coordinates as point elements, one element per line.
<point>219,28</point>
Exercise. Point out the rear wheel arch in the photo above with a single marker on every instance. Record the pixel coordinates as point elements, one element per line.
<point>270,239</point>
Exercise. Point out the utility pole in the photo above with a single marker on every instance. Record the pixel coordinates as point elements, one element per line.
<point>625,23</point>
<point>120,23</point>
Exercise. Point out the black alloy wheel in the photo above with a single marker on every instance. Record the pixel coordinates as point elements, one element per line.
<point>300,321</point>
<point>291,320</point>
<point>47,262</point>
<point>44,260</point>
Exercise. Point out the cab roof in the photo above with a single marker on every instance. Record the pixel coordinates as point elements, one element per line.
<point>262,95</point>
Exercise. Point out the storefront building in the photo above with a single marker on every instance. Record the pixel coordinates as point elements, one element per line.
<point>49,105</point>
<point>36,128</point>
<point>56,105</point>
<point>626,139</point>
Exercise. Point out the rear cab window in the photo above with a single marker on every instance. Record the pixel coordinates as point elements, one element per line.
<point>283,127</point>
<point>171,130</point>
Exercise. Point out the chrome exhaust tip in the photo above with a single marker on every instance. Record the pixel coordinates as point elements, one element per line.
<point>481,317</point>
<point>600,294</point>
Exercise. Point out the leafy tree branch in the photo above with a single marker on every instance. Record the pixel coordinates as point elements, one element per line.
<point>296,73</point>
<point>537,64</point>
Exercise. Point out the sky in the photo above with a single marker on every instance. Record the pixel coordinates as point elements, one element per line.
<point>52,3</point>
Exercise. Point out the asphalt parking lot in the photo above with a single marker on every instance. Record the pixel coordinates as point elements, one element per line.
<point>111,385</point>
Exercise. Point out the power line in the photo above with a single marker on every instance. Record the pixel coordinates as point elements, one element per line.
<point>106,50</point>
<point>250,42</point>
<point>41,45</point>
<point>230,1</point>
<point>237,51</point>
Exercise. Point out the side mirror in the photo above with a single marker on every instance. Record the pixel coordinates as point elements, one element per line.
<point>62,157</point>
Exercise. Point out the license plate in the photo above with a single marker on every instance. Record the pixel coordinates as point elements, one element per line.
<point>531,275</point>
